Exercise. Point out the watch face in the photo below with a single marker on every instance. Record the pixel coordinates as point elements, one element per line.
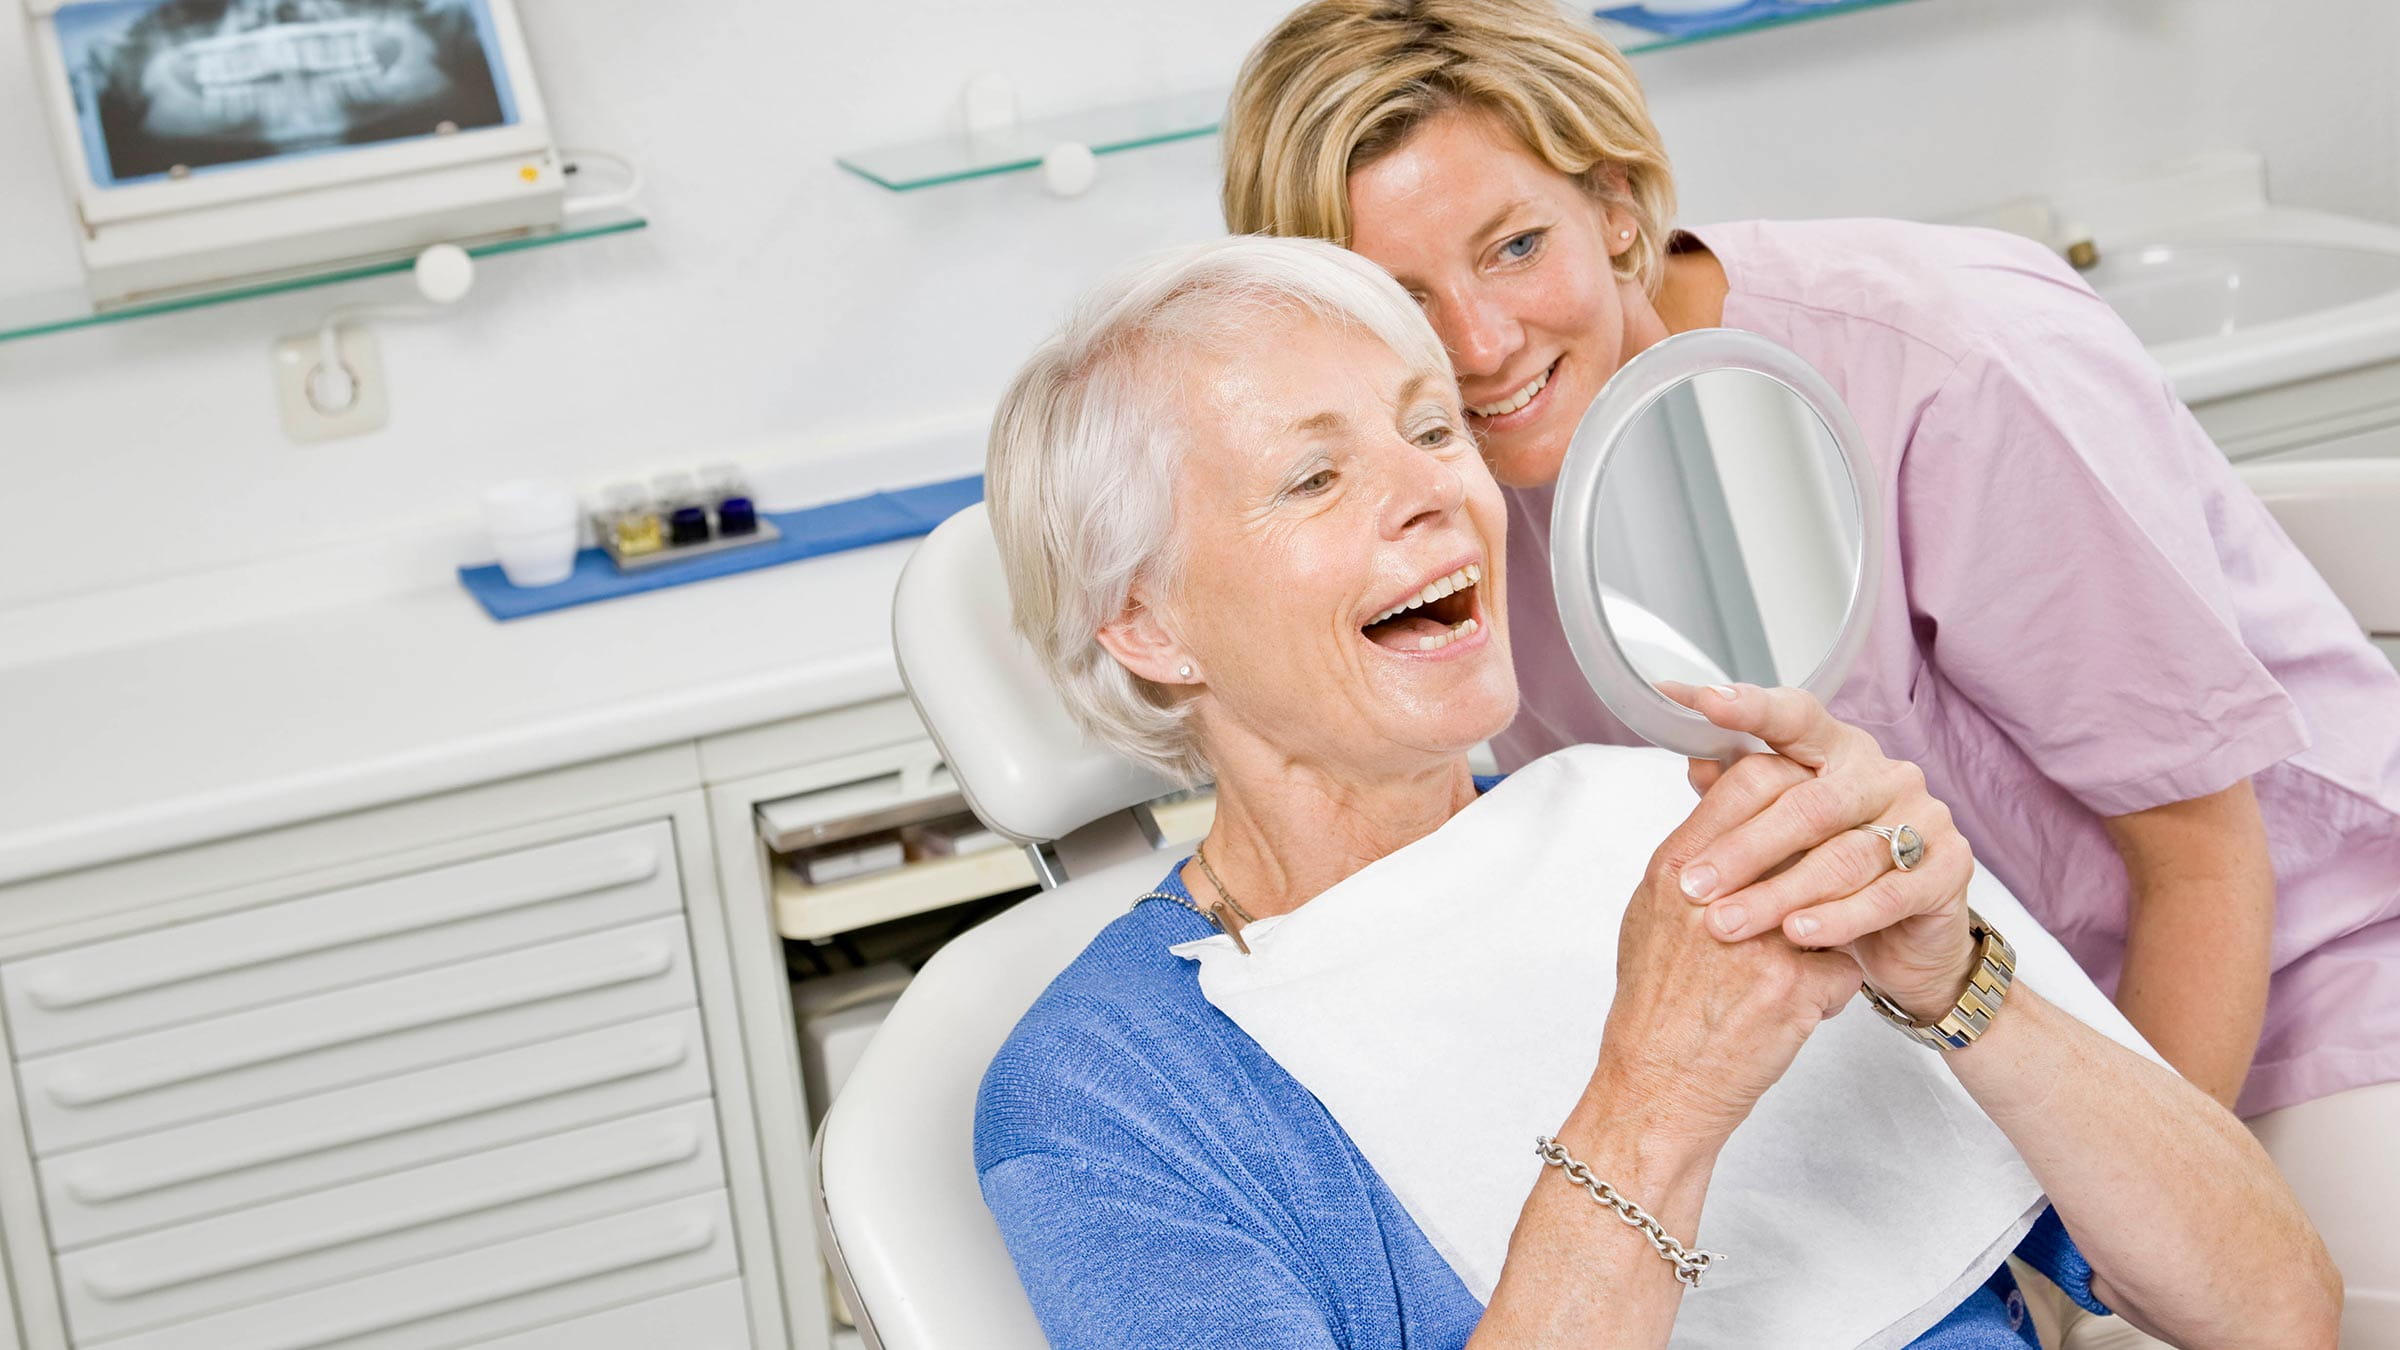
<point>172,87</point>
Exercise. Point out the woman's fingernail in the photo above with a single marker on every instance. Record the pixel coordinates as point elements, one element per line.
<point>1731,918</point>
<point>1699,882</point>
<point>1725,691</point>
<point>1805,925</point>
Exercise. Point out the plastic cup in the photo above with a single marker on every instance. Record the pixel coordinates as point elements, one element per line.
<point>534,532</point>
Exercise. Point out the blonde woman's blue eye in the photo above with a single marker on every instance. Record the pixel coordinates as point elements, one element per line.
<point>1521,247</point>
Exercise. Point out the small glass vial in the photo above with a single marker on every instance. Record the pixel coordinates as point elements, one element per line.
<point>737,515</point>
<point>687,525</point>
<point>632,522</point>
<point>680,507</point>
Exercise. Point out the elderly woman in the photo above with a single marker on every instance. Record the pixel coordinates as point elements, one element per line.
<point>1211,492</point>
<point>2154,719</point>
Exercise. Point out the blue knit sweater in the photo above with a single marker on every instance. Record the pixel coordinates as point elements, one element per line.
<point>1162,1183</point>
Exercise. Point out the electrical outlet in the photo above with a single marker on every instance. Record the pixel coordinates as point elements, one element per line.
<point>309,413</point>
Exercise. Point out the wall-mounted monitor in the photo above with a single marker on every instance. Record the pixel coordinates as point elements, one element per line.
<point>207,141</point>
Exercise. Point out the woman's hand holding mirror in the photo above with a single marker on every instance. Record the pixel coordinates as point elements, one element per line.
<point>1700,1028</point>
<point>1717,518</point>
<point>1804,865</point>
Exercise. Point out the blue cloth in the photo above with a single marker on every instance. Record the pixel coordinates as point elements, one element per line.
<point>1162,1182</point>
<point>813,531</point>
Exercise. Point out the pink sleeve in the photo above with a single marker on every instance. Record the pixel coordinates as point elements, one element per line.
<point>2056,507</point>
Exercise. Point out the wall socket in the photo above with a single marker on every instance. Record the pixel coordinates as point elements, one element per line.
<point>369,408</point>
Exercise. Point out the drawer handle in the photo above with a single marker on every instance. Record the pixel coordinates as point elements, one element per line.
<point>93,1089</point>
<point>621,866</point>
<point>651,1054</point>
<point>665,1148</point>
<point>690,1235</point>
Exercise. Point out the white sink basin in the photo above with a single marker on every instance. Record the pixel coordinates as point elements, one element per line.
<point>2178,292</point>
<point>2239,302</point>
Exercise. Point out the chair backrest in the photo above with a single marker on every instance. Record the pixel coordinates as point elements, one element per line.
<point>901,1217</point>
<point>916,1253</point>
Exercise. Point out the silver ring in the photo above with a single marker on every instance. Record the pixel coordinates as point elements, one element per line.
<point>1908,846</point>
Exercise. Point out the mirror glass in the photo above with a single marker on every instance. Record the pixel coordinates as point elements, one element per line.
<point>1715,521</point>
<point>1728,537</point>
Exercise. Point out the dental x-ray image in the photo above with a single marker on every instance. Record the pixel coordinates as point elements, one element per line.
<point>168,85</point>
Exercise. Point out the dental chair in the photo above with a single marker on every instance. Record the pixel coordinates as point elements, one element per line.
<point>899,1214</point>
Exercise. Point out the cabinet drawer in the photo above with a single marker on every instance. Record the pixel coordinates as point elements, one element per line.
<point>473,1296</point>
<point>707,1318</point>
<point>268,1251</point>
<point>332,1138</point>
<point>247,1059</point>
<point>294,948</point>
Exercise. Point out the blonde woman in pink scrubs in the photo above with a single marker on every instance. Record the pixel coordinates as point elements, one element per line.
<point>2152,717</point>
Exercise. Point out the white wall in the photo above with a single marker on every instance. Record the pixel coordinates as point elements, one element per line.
<point>779,306</point>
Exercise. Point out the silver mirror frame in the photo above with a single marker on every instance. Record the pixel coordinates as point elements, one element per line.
<point>1575,515</point>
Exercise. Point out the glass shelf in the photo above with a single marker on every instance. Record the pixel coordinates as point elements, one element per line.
<point>1126,126</point>
<point>1130,126</point>
<point>59,311</point>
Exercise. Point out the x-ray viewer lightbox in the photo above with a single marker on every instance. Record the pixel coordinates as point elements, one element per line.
<point>208,140</point>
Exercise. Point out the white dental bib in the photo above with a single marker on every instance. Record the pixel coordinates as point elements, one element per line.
<point>1446,1003</point>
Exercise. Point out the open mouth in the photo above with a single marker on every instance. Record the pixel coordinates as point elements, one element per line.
<point>1443,612</point>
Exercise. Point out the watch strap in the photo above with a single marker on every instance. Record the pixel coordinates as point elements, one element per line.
<point>1987,987</point>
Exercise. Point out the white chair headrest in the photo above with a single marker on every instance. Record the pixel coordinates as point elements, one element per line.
<point>1023,764</point>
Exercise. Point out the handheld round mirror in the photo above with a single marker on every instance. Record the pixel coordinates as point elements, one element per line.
<point>1716,519</point>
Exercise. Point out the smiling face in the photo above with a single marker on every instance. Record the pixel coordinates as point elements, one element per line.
<point>1511,260</point>
<point>1338,546</point>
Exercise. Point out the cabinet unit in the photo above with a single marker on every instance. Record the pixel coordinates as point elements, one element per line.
<point>510,1066</point>
<point>488,1088</point>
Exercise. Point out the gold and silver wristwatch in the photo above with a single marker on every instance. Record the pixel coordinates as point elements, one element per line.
<point>1995,971</point>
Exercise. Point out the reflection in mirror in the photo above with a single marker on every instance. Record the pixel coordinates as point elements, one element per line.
<point>1726,539</point>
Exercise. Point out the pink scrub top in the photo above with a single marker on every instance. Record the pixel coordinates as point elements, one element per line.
<point>2084,614</point>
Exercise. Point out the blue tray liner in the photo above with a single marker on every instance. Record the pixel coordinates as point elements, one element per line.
<point>1695,25</point>
<point>877,518</point>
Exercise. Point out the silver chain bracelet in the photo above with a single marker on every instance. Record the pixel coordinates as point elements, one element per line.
<point>1690,1262</point>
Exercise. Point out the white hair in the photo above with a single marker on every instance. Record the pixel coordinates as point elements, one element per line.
<point>1088,442</point>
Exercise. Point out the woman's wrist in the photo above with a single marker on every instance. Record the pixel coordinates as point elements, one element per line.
<point>1932,1001</point>
<point>1638,1119</point>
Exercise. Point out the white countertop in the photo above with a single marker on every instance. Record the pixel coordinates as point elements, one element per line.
<point>216,731</point>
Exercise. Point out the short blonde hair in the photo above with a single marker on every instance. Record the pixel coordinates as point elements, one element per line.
<point>1340,83</point>
<point>1088,439</point>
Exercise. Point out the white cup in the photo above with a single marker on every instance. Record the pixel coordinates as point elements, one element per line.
<point>533,530</point>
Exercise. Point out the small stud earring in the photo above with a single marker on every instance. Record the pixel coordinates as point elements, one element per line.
<point>1185,670</point>
<point>1624,234</point>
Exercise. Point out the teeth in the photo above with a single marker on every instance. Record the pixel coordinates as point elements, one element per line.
<point>1450,585</point>
<point>1516,400</point>
<point>1463,628</point>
